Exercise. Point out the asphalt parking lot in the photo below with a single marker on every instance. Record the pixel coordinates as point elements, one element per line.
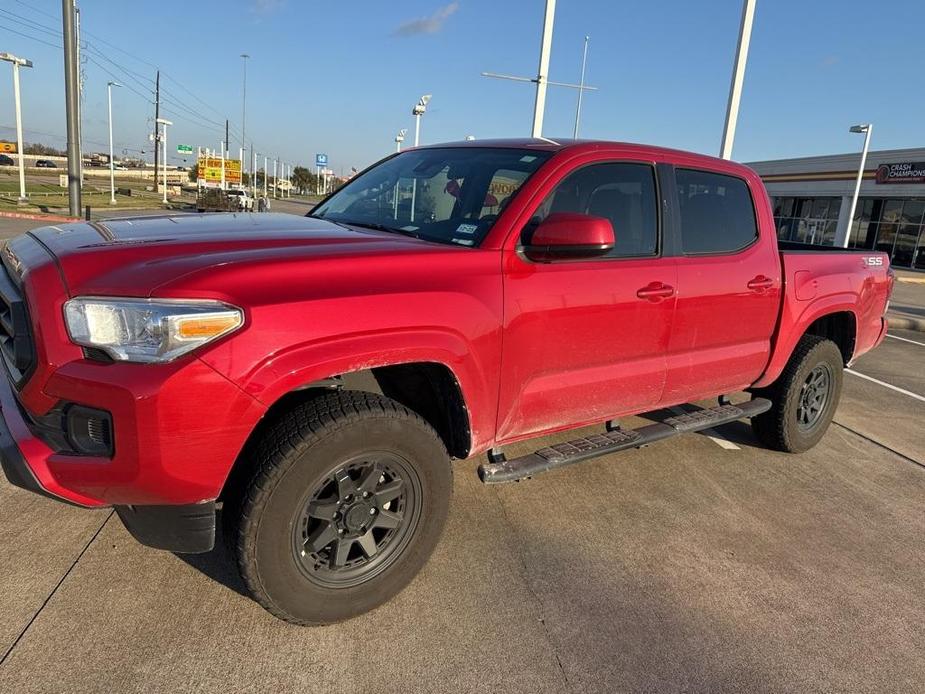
<point>698,564</point>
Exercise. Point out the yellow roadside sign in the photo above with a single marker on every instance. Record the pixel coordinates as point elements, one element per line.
<point>210,171</point>
<point>8,147</point>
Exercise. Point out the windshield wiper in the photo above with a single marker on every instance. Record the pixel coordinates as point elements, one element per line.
<point>376,226</point>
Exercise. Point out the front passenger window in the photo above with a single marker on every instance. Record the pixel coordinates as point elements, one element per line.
<point>623,193</point>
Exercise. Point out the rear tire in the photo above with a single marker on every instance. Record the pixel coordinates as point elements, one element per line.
<point>348,498</point>
<point>804,397</point>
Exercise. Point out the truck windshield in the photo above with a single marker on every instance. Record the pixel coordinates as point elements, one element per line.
<point>449,195</point>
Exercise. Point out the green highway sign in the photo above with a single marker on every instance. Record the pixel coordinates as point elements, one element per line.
<point>184,149</point>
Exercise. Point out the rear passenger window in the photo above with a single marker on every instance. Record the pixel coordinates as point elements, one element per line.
<point>623,193</point>
<point>717,214</point>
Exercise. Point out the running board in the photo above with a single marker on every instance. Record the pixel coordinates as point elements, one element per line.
<point>596,445</point>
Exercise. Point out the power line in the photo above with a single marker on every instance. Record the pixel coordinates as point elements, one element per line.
<point>35,38</point>
<point>25,21</point>
<point>94,54</point>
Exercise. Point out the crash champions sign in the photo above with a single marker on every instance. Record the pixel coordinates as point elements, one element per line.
<point>209,171</point>
<point>905,172</point>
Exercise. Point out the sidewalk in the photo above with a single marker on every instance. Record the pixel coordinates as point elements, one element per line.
<point>907,307</point>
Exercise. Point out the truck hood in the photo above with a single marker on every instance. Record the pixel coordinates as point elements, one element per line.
<point>134,256</point>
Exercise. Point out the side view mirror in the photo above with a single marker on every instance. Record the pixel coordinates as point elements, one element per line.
<point>569,236</point>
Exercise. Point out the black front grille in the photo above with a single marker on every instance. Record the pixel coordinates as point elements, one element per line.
<point>16,346</point>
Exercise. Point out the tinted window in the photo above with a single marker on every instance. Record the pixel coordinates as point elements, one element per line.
<point>623,193</point>
<point>717,215</point>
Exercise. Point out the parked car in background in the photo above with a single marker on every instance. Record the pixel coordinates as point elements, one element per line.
<point>6,160</point>
<point>45,164</point>
<point>245,201</point>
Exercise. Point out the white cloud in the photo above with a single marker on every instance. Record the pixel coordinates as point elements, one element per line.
<point>427,25</point>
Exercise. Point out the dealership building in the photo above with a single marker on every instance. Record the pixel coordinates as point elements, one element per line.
<point>811,197</point>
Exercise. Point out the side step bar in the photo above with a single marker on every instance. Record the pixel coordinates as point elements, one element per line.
<point>596,445</point>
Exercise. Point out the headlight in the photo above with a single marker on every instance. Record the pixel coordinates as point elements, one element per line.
<point>148,330</point>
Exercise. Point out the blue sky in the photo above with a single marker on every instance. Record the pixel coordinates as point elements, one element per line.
<point>342,77</point>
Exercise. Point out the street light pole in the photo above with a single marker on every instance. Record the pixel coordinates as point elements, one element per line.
<point>867,129</point>
<point>164,123</point>
<point>254,154</point>
<point>245,57</point>
<point>17,63</point>
<point>419,109</point>
<point>539,106</point>
<point>581,86</point>
<point>266,161</point>
<point>738,77</point>
<point>275,177</point>
<point>399,139</point>
<point>112,174</point>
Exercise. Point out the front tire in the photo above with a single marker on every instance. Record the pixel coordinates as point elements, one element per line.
<point>348,499</point>
<point>805,397</point>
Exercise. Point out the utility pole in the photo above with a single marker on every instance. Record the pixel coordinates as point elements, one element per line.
<point>71,96</point>
<point>738,76</point>
<point>80,94</point>
<point>157,117</point>
<point>227,143</point>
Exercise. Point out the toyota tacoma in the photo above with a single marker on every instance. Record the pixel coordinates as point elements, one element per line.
<point>300,384</point>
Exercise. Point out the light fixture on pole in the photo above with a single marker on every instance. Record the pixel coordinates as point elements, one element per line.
<point>399,139</point>
<point>419,108</point>
<point>112,174</point>
<point>738,77</point>
<point>164,123</point>
<point>542,78</point>
<point>867,129</point>
<point>17,63</point>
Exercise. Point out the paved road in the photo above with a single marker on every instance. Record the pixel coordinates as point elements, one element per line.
<point>686,566</point>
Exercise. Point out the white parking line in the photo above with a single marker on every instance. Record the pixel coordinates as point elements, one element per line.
<point>906,339</point>
<point>711,434</point>
<point>886,385</point>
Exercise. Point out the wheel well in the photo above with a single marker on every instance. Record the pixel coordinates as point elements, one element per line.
<point>430,389</point>
<point>840,328</point>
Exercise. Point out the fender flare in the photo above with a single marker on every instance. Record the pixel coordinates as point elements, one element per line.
<point>302,364</point>
<point>792,328</point>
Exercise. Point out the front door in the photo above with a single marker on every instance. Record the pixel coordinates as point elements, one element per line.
<point>585,340</point>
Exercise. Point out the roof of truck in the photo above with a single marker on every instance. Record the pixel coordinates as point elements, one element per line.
<point>561,144</point>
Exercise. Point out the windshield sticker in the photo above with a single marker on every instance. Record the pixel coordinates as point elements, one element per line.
<point>410,227</point>
<point>527,158</point>
<point>464,242</point>
<point>467,228</point>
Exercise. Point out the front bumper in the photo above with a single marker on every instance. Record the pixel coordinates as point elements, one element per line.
<point>177,430</point>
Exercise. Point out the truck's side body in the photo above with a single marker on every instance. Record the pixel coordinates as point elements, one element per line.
<point>531,347</point>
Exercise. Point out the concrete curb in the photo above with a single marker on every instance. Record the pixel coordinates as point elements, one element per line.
<point>905,323</point>
<point>39,217</point>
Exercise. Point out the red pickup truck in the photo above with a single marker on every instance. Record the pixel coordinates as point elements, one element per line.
<point>312,377</point>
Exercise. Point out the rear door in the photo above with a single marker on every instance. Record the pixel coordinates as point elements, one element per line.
<point>728,288</point>
<point>585,340</point>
